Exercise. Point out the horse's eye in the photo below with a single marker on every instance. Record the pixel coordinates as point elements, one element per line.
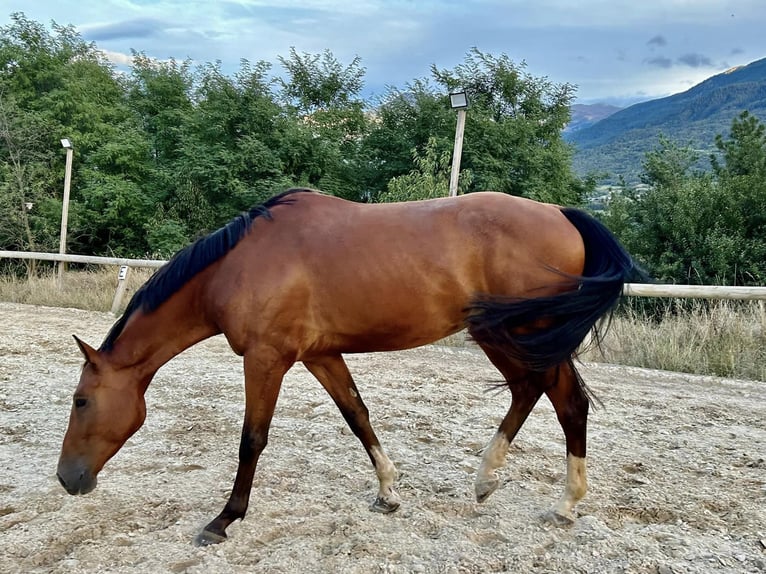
<point>80,402</point>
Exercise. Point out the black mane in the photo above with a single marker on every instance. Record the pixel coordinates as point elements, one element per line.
<point>193,259</point>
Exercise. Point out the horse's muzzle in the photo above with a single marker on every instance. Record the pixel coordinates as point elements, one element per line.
<point>76,478</point>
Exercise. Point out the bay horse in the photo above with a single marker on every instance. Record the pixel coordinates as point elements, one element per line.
<point>308,277</point>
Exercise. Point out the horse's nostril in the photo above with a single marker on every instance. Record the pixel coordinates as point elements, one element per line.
<point>65,485</point>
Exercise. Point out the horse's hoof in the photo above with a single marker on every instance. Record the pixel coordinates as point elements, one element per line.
<point>384,506</point>
<point>207,538</point>
<point>484,488</point>
<point>557,519</point>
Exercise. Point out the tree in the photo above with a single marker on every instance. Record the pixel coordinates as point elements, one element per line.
<point>31,61</point>
<point>56,85</point>
<point>229,150</point>
<point>322,96</point>
<point>23,163</point>
<point>513,129</point>
<point>692,227</point>
<point>743,179</point>
<point>744,152</point>
<point>669,164</point>
<point>406,122</point>
<point>429,179</point>
<point>319,82</point>
<point>513,137</point>
<point>167,153</point>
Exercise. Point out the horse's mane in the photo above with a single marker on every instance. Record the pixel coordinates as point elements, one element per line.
<point>193,259</point>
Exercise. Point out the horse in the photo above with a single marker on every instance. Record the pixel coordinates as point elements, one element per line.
<point>310,277</point>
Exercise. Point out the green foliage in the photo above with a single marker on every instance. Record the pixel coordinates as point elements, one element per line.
<point>56,85</point>
<point>406,121</point>
<point>429,180</point>
<point>322,99</point>
<point>744,153</point>
<point>513,133</point>
<point>159,93</point>
<point>513,129</point>
<point>693,227</point>
<point>319,82</point>
<point>23,175</point>
<point>669,164</point>
<point>164,234</point>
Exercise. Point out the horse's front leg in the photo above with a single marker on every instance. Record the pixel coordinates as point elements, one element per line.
<point>335,377</point>
<point>264,371</point>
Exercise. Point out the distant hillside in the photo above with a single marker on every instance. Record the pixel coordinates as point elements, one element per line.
<point>585,115</point>
<point>617,144</point>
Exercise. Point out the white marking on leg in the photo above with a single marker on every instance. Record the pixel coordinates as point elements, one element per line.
<point>575,488</point>
<point>494,458</point>
<point>494,455</point>
<point>387,500</point>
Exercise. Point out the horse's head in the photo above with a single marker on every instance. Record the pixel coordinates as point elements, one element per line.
<point>107,408</point>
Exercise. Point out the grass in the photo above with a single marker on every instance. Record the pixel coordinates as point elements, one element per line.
<point>89,290</point>
<point>722,338</point>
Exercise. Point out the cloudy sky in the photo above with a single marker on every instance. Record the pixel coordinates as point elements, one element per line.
<point>615,51</point>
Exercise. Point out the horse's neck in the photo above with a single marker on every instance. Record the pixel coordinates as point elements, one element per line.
<point>148,341</point>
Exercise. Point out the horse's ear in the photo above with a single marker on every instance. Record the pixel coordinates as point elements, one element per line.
<point>90,354</point>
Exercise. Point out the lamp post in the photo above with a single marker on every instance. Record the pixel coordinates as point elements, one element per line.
<point>67,145</point>
<point>458,101</point>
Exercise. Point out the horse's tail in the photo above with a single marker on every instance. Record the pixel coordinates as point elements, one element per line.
<point>541,333</point>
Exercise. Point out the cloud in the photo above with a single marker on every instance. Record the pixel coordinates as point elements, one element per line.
<point>690,60</point>
<point>136,28</point>
<point>623,49</point>
<point>696,61</point>
<point>660,62</point>
<point>281,16</point>
<point>118,58</point>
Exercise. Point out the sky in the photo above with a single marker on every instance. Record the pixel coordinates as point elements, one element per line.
<point>614,51</point>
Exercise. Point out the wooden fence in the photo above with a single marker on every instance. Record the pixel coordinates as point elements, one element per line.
<point>631,289</point>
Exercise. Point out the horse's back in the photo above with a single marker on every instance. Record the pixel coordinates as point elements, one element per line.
<point>474,239</point>
<point>323,225</point>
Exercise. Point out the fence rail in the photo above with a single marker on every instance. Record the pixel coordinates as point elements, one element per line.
<point>631,289</point>
<point>69,258</point>
<point>695,291</point>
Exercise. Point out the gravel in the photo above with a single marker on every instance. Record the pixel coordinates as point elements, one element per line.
<point>676,469</point>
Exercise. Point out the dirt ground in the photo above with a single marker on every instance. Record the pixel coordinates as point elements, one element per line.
<point>677,471</point>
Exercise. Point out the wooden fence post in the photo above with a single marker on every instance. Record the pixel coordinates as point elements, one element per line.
<point>121,285</point>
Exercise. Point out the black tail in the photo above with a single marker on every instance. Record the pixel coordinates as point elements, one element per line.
<point>543,332</point>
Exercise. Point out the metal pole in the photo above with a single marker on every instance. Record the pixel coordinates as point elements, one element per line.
<point>458,151</point>
<point>65,213</point>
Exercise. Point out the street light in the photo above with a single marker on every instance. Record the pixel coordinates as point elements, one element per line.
<point>458,101</point>
<point>66,144</point>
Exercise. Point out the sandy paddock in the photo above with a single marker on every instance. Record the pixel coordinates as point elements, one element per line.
<point>677,471</point>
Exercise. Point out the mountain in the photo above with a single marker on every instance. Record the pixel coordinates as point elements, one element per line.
<point>617,144</point>
<point>585,115</point>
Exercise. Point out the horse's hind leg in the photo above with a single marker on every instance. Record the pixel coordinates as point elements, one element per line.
<point>333,373</point>
<point>571,404</point>
<point>525,392</point>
